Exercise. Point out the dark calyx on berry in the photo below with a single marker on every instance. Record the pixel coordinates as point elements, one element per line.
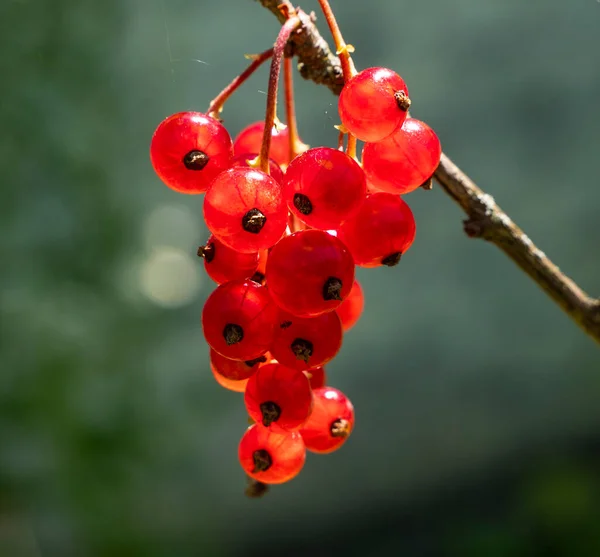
<point>207,251</point>
<point>258,277</point>
<point>196,160</point>
<point>303,349</point>
<point>332,289</point>
<point>232,333</point>
<point>259,360</point>
<point>270,412</point>
<point>262,461</point>
<point>340,428</point>
<point>303,204</point>
<point>402,100</point>
<point>392,260</point>
<point>253,221</point>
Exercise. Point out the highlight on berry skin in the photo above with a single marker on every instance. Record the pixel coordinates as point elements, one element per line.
<point>374,104</point>
<point>405,161</point>
<point>271,457</point>
<point>324,187</point>
<point>309,273</point>
<point>188,150</point>
<point>279,397</point>
<point>239,319</point>
<point>330,423</point>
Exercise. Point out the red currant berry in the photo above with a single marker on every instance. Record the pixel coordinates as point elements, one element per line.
<point>316,376</point>
<point>249,140</point>
<point>305,342</point>
<point>324,187</point>
<point>381,232</point>
<point>246,159</point>
<point>223,264</point>
<point>373,104</point>
<point>309,273</point>
<point>237,370</point>
<point>352,307</point>
<point>244,208</point>
<point>239,320</point>
<point>404,161</point>
<point>188,150</point>
<point>235,385</point>
<point>278,397</point>
<point>270,457</point>
<point>330,423</point>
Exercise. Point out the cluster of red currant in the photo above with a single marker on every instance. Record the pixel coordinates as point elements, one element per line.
<point>289,224</point>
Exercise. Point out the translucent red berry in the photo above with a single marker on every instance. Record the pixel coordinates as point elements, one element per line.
<point>235,385</point>
<point>330,423</point>
<point>404,161</point>
<point>278,397</point>
<point>245,159</point>
<point>239,320</point>
<point>373,104</point>
<point>244,209</point>
<point>237,370</point>
<point>188,150</point>
<point>351,308</point>
<point>271,457</point>
<point>223,264</point>
<point>249,140</point>
<point>316,376</point>
<point>324,187</point>
<point>309,273</point>
<point>306,342</point>
<point>381,232</point>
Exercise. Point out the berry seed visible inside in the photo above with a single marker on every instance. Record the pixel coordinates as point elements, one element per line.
<point>195,160</point>
<point>253,221</point>
<point>232,333</point>
<point>303,349</point>
<point>332,289</point>
<point>262,460</point>
<point>303,204</point>
<point>270,412</point>
<point>392,260</point>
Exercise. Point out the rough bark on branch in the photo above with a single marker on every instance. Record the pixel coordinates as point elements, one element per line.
<point>485,218</point>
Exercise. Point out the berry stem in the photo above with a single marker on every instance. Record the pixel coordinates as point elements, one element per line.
<point>343,50</point>
<point>295,144</point>
<point>216,105</point>
<point>284,34</point>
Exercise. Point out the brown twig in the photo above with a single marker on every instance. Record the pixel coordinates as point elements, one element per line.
<point>485,218</point>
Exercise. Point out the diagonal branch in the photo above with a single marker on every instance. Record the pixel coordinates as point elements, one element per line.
<point>485,218</point>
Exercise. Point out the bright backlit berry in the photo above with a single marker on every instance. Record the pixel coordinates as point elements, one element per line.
<point>373,104</point>
<point>223,264</point>
<point>236,370</point>
<point>270,457</point>
<point>316,376</point>
<point>244,209</point>
<point>249,140</point>
<point>324,187</point>
<point>330,423</point>
<point>239,320</point>
<point>306,342</point>
<point>278,397</point>
<point>404,161</point>
<point>381,232</point>
<point>309,273</point>
<point>235,385</point>
<point>188,150</point>
<point>351,308</point>
<point>245,159</point>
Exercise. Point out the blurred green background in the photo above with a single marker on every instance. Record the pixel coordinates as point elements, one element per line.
<point>478,401</point>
